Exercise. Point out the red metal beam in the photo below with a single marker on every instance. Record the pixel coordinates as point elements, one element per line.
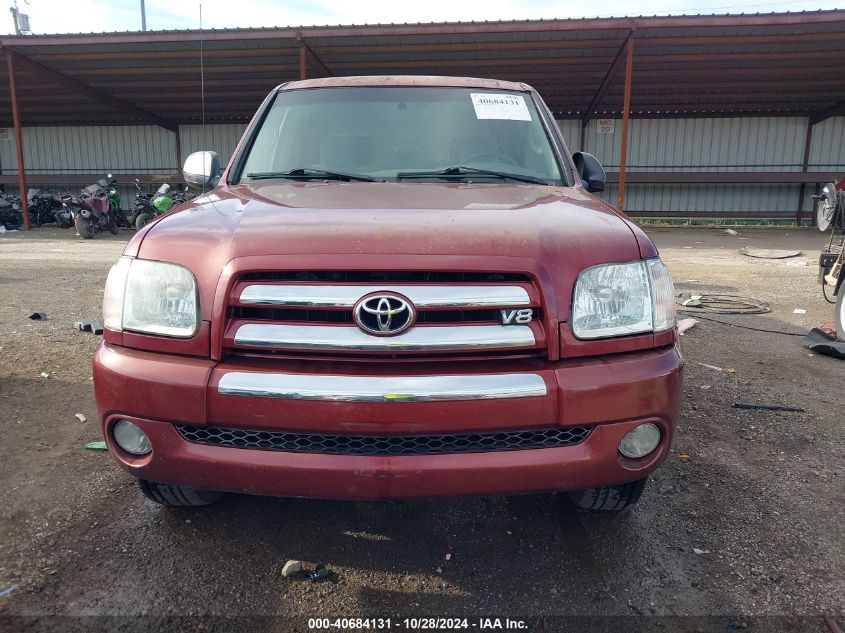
<point>16,118</point>
<point>608,78</point>
<point>626,115</point>
<point>808,142</point>
<point>312,57</point>
<point>303,61</point>
<point>50,74</point>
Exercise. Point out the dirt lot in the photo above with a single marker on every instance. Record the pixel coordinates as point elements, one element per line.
<point>743,521</point>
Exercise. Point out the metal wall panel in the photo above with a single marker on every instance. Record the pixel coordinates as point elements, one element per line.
<point>828,146</point>
<point>221,138</point>
<point>93,149</point>
<point>726,144</point>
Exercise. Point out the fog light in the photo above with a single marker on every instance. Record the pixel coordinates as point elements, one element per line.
<point>131,438</point>
<point>641,441</point>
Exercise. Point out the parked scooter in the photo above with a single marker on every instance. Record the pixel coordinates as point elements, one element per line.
<point>94,210</point>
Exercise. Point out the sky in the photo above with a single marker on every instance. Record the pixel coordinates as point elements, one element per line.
<point>85,16</point>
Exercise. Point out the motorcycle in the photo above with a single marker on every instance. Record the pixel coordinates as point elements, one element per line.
<point>11,216</point>
<point>43,207</point>
<point>149,206</point>
<point>64,213</point>
<point>95,211</point>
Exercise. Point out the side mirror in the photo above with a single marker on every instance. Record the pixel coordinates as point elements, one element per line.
<point>590,170</point>
<point>202,169</point>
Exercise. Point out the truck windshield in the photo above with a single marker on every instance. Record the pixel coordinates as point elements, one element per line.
<point>392,133</point>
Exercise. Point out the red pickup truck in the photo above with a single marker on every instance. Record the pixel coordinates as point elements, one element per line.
<point>398,287</point>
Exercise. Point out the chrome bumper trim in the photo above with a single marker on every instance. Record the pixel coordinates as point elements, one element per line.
<point>382,388</point>
<point>312,296</point>
<point>324,337</point>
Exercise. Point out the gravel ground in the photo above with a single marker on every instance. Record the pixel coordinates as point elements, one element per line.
<point>741,527</point>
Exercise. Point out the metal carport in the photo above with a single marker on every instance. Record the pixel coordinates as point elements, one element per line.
<point>762,65</point>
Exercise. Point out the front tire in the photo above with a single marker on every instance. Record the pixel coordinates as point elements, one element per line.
<point>142,220</point>
<point>113,224</point>
<point>171,495</point>
<point>609,498</point>
<point>83,227</point>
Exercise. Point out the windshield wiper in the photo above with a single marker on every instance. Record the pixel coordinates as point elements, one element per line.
<point>307,173</point>
<point>463,171</point>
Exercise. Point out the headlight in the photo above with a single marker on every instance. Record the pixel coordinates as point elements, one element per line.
<point>620,299</point>
<point>151,297</point>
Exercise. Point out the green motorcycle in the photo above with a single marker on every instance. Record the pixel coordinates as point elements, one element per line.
<point>161,202</point>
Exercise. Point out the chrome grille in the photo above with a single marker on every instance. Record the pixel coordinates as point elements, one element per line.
<point>385,444</point>
<point>456,313</point>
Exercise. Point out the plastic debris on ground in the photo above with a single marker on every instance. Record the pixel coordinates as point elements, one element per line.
<point>7,591</point>
<point>320,572</point>
<point>97,446</point>
<point>765,407</point>
<point>44,374</point>
<point>38,316</point>
<point>292,568</point>
<point>731,232</point>
<point>799,311</point>
<point>88,326</point>
<point>699,552</point>
<point>768,253</point>
<point>686,324</point>
<point>81,417</point>
<point>797,262</point>
<point>730,370</point>
<point>823,343</point>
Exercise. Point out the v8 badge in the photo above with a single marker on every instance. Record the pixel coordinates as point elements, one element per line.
<point>520,316</point>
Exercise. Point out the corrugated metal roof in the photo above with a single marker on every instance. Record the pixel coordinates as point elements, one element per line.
<point>693,65</point>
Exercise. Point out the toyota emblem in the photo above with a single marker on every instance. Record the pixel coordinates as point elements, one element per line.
<point>384,314</point>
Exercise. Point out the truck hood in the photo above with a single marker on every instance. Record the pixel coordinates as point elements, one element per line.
<point>551,232</point>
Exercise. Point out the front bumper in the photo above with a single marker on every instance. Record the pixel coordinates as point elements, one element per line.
<point>614,393</point>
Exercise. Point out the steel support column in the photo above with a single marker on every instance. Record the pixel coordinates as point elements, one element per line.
<point>16,121</point>
<point>303,61</point>
<point>626,115</point>
<point>808,141</point>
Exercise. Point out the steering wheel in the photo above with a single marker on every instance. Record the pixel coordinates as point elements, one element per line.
<point>493,155</point>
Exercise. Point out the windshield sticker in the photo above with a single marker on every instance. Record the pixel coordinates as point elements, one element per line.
<point>500,106</point>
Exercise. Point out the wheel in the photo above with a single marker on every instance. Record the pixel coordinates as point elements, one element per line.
<point>839,312</point>
<point>112,224</point>
<point>609,498</point>
<point>12,220</point>
<point>170,495</point>
<point>141,220</point>
<point>83,227</point>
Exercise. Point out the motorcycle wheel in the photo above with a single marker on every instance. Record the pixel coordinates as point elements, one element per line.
<point>112,225</point>
<point>142,220</point>
<point>83,227</point>
<point>35,217</point>
<point>12,220</point>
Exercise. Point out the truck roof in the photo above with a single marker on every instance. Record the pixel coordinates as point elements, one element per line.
<point>406,80</point>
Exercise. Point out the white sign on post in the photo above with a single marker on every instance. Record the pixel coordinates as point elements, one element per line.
<point>5,134</point>
<point>606,126</point>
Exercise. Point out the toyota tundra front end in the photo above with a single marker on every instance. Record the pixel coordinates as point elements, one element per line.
<point>398,287</point>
